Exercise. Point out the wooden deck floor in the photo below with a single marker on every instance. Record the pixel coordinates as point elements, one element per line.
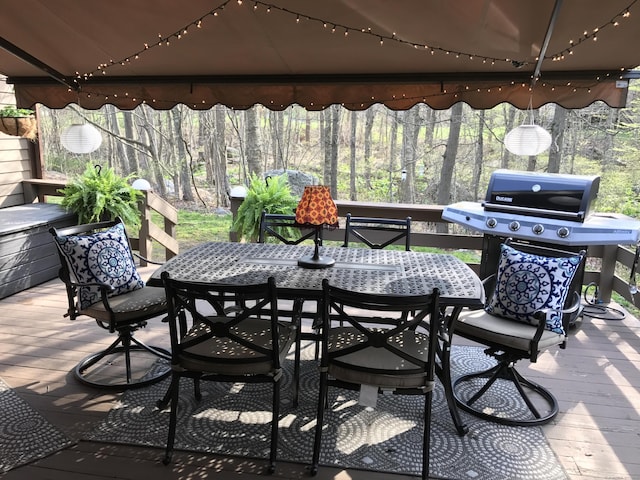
<point>596,379</point>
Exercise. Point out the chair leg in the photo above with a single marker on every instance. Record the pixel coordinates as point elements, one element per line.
<point>322,402</point>
<point>174,393</point>
<point>444,372</point>
<point>123,345</point>
<point>297,319</point>
<point>505,370</point>
<point>274,426</point>
<point>426,440</point>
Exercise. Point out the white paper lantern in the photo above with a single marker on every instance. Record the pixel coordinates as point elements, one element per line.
<point>81,138</point>
<point>141,184</point>
<point>527,140</point>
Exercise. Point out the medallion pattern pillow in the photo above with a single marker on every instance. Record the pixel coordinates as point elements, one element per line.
<point>527,283</point>
<point>101,257</point>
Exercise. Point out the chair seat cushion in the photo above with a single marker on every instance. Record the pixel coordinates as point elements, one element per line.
<point>375,365</point>
<point>102,257</point>
<point>479,325</point>
<point>224,356</point>
<point>129,307</point>
<point>527,283</point>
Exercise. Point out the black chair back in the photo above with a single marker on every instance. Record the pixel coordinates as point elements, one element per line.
<point>378,232</point>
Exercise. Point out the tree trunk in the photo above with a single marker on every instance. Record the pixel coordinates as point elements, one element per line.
<point>353,194</point>
<point>130,133</point>
<point>510,118</point>
<point>446,173</point>
<point>368,142</point>
<point>393,145</point>
<point>477,165</point>
<point>558,128</point>
<point>252,141</point>
<point>410,131</point>
<point>335,140</point>
<point>184,164</point>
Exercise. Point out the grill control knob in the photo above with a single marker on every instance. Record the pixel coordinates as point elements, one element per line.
<point>492,222</point>
<point>563,232</point>
<point>514,226</point>
<point>538,228</point>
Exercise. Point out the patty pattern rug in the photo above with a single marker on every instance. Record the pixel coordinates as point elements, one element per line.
<point>25,435</point>
<point>234,420</point>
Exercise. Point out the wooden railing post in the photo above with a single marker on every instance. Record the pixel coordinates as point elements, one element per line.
<point>145,246</point>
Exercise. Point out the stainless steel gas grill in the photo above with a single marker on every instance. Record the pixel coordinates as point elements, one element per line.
<point>550,208</point>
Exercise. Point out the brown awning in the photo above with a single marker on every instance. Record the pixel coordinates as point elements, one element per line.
<point>317,53</point>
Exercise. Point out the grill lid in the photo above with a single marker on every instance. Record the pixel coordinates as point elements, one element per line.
<point>549,195</point>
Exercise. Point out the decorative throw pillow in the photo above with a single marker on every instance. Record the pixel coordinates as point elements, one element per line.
<point>101,257</point>
<point>526,283</point>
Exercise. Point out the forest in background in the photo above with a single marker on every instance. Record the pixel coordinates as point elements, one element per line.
<point>420,156</point>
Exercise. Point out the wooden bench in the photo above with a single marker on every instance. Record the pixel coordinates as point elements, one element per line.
<point>27,253</point>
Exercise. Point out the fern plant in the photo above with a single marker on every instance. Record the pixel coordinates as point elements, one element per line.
<point>100,194</point>
<point>273,196</point>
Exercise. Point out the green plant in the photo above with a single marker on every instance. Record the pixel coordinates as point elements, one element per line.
<point>99,194</point>
<point>11,111</point>
<point>273,196</point>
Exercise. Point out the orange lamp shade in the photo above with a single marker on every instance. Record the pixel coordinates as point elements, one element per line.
<point>316,207</point>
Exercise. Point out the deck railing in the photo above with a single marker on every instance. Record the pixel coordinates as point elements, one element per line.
<point>608,266</point>
<point>39,189</point>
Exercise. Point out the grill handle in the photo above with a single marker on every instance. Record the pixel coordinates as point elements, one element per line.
<point>534,212</point>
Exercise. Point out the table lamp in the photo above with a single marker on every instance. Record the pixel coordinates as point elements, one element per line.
<point>316,209</point>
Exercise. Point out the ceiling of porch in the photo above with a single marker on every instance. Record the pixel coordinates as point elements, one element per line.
<point>351,52</point>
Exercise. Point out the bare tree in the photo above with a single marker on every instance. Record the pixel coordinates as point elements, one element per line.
<point>446,173</point>
<point>185,165</point>
<point>335,140</point>
<point>477,164</point>
<point>368,142</point>
<point>252,141</point>
<point>410,131</point>
<point>353,193</point>
<point>558,127</point>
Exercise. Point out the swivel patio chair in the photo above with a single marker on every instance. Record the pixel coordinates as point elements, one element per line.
<point>371,340</point>
<point>222,345</point>
<point>98,269</point>
<point>531,301</point>
<point>378,232</point>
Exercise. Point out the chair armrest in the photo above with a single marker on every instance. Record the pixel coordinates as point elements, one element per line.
<point>145,259</point>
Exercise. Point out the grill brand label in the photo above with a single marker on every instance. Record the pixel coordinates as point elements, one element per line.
<point>502,198</point>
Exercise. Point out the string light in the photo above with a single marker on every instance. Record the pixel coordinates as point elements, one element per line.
<point>614,22</point>
<point>380,37</point>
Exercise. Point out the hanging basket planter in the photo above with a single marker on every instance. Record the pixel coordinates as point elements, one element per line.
<point>25,127</point>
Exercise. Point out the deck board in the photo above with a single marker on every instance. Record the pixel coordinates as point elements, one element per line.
<point>595,378</point>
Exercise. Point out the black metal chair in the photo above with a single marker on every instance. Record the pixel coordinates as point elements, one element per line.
<point>284,229</point>
<point>222,345</point>
<point>378,232</point>
<point>98,269</point>
<point>372,340</point>
<point>531,301</point>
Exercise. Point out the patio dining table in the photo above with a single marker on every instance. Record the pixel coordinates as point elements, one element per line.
<point>375,271</point>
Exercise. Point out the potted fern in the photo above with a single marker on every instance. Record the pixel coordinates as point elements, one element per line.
<point>100,194</point>
<point>272,195</point>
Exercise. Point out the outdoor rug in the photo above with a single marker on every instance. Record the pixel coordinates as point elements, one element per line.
<point>25,435</point>
<point>233,419</point>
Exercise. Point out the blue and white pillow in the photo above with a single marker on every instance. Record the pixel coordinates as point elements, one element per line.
<point>526,283</point>
<point>101,257</point>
